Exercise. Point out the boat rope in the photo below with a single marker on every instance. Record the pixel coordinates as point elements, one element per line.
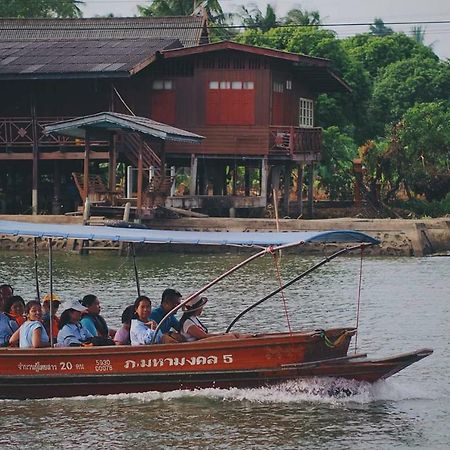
<point>276,258</point>
<point>358,302</point>
<point>333,344</point>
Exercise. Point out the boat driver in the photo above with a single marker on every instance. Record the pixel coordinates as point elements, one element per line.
<point>171,326</point>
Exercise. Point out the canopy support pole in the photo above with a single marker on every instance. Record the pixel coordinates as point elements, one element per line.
<point>36,275</point>
<point>264,251</point>
<point>50,277</point>
<point>294,280</point>
<point>136,274</point>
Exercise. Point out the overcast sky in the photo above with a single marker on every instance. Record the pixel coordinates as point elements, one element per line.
<point>331,11</point>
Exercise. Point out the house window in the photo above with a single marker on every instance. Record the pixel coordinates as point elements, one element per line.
<point>306,113</point>
<point>288,85</point>
<point>160,85</point>
<point>278,87</point>
<point>230,102</point>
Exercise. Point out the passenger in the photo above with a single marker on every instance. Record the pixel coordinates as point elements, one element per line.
<point>142,329</point>
<point>92,320</point>
<point>7,328</point>
<point>170,299</point>
<point>6,291</point>
<point>71,331</point>
<point>56,302</point>
<point>191,327</point>
<point>15,308</point>
<point>32,333</point>
<point>122,336</point>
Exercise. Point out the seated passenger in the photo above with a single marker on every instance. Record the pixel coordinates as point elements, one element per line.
<point>56,301</point>
<point>6,291</point>
<point>32,333</point>
<point>170,299</point>
<point>7,328</point>
<point>71,332</point>
<point>142,328</point>
<point>122,336</point>
<point>191,327</point>
<point>15,308</point>
<point>92,320</point>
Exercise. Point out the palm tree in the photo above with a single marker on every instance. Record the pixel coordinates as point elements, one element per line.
<point>379,28</point>
<point>181,8</point>
<point>298,16</point>
<point>254,18</point>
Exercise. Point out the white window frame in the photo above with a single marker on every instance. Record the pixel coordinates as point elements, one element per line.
<point>306,113</point>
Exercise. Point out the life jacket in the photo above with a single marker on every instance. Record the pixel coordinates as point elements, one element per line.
<point>19,319</point>
<point>55,325</point>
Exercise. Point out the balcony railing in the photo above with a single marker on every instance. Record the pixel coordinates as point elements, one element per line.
<point>295,142</point>
<point>20,132</point>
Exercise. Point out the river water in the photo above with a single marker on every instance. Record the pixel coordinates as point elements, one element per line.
<point>405,305</point>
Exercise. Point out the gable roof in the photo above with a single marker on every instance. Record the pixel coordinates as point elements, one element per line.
<point>315,70</point>
<point>189,30</point>
<point>105,122</point>
<point>73,58</point>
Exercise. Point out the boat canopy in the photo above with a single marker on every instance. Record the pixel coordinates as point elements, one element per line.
<point>144,235</point>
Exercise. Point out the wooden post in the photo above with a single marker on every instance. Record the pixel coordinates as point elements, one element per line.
<point>112,162</point>
<point>35,170</point>
<point>311,190</point>
<point>247,180</point>
<point>87,154</point>
<point>56,201</point>
<point>357,170</point>
<point>126,218</point>
<point>287,187</point>
<point>264,179</point>
<point>193,182</point>
<point>300,180</point>
<point>140,177</point>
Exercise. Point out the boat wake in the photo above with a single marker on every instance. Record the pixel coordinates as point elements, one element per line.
<point>317,390</point>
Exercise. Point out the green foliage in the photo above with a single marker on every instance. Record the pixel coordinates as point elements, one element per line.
<point>404,83</point>
<point>375,53</point>
<point>336,169</point>
<point>40,9</point>
<point>424,134</point>
<point>421,208</point>
<point>180,8</point>
<point>299,16</point>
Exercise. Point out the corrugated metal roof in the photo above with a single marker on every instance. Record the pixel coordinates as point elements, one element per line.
<point>111,121</point>
<point>187,29</point>
<point>77,58</point>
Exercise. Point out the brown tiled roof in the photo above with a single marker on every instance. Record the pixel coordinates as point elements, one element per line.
<point>189,30</point>
<point>70,58</point>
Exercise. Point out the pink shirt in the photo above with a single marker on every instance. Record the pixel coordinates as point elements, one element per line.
<point>122,336</point>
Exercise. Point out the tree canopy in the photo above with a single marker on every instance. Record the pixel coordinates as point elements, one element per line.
<point>40,9</point>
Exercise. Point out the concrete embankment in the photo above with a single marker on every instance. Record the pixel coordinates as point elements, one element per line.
<point>399,237</point>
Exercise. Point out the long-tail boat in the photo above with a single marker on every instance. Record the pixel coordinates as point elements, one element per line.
<point>250,361</point>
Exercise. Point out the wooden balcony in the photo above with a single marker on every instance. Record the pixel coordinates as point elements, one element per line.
<point>298,144</point>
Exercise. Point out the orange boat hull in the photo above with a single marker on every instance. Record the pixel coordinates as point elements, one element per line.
<point>247,362</point>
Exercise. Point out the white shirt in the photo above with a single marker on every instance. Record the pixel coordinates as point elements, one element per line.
<point>141,334</point>
<point>189,322</point>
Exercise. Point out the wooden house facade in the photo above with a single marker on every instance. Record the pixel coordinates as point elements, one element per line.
<point>254,106</point>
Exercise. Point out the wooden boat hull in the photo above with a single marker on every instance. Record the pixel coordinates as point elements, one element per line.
<point>248,362</point>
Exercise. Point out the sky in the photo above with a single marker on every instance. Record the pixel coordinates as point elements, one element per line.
<point>331,12</point>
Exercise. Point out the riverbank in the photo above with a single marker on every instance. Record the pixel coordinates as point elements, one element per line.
<point>399,237</point>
